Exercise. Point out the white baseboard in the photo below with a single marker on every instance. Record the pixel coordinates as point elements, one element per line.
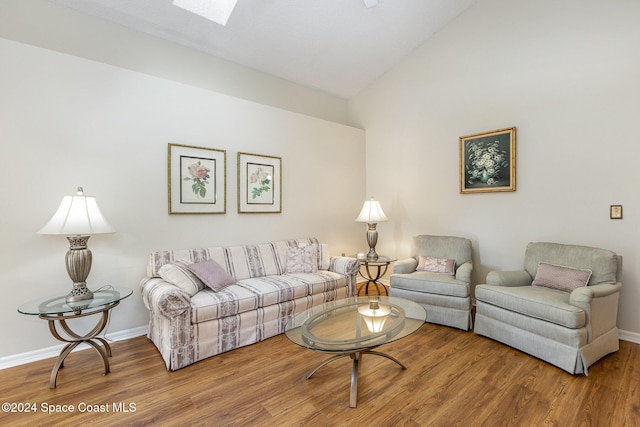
<point>54,351</point>
<point>629,336</point>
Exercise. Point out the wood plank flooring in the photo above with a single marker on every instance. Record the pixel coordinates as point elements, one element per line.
<point>454,378</point>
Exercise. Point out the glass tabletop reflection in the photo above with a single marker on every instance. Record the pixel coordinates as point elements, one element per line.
<point>355,323</point>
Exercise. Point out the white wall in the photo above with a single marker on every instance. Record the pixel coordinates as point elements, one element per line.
<point>566,75</point>
<point>66,121</point>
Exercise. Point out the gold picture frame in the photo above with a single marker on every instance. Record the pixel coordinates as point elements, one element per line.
<point>197,180</point>
<point>488,161</point>
<point>259,183</point>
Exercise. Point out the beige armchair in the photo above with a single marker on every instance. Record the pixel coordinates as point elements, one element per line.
<point>564,316</point>
<point>438,277</point>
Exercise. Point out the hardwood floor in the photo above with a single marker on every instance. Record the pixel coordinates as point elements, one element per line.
<point>454,378</point>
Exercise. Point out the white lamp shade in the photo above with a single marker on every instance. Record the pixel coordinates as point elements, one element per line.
<point>78,215</point>
<point>371,212</point>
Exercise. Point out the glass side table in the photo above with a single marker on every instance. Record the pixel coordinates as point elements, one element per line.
<point>382,264</point>
<point>56,309</point>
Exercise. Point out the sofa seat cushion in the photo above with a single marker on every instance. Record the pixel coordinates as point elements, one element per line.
<point>434,283</point>
<point>550,305</point>
<point>272,290</point>
<point>229,301</point>
<point>320,281</point>
<point>250,294</point>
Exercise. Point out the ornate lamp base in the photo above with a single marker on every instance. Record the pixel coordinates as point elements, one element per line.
<point>78,262</point>
<point>80,292</point>
<point>372,239</point>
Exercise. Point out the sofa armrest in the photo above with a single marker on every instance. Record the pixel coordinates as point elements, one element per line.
<point>349,267</point>
<point>164,298</point>
<point>510,278</point>
<point>600,304</point>
<point>344,265</point>
<point>463,272</point>
<point>405,266</point>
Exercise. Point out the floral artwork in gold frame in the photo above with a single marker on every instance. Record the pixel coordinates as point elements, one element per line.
<point>197,180</point>
<point>488,161</point>
<point>259,183</point>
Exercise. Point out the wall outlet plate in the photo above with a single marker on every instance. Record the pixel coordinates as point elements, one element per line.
<point>615,211</point>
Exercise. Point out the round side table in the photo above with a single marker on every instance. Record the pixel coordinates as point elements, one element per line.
<point>56,309</point>
<point>382,264</point>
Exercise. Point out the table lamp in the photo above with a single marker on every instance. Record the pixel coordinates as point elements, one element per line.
<point>78,217</point>
<point>372,213</point>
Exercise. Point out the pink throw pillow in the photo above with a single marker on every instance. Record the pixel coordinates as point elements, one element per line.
<point>560,277</point>
<point>212,274</point>
<point>437,265</point>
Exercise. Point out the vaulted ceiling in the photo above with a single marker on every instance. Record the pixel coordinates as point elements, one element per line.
<point>337,46</point>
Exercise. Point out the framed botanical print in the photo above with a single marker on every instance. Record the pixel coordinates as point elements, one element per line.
<point>259,183</point>
<point>197,180</point>
<point>488,161</point>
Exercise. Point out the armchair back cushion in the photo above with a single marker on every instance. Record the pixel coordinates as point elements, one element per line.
<point>603,263</point>
<point>443,247</point>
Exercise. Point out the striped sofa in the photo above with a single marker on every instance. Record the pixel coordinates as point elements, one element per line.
<point>188,326</point>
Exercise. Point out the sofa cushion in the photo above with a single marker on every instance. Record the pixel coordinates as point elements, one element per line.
<point>539,302</point>
<point>178,273</point>
<point>324,260</point>
<point>253,293</point>
<point>160,258</point>
<point>275,289</point>
<point>249,261</point>
<point>241,262</point>
<point>302,259</point>
<point>211,274</point>
<point>561,277</point>
<point>319,282</point>
<point>437,265</point>
<point>229,301</point>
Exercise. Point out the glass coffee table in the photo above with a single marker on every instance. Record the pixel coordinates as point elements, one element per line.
<point>57,309</point>
<point>353,327</point>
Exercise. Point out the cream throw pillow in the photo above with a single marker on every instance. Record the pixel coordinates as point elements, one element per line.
<point>178,273</point>
<point>302,259</point>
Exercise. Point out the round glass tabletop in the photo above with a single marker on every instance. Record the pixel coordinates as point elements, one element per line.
<point>57,304</point>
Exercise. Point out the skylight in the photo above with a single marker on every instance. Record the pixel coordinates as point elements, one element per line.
<point>214,10</point>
